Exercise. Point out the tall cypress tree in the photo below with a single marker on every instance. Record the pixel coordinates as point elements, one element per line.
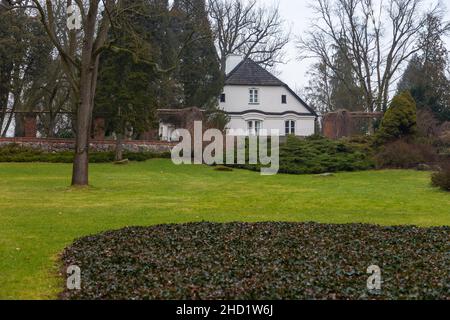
<point>199,70</point>
<point>131,87</point>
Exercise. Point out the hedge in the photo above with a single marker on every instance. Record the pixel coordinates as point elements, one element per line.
<point>261,261</point>
<point>316,154</point>
<point>16,153</point>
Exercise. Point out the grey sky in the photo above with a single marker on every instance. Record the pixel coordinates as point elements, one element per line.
<point>297,14</point>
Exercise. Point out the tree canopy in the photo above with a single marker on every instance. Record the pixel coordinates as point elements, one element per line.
<point>425,76</point>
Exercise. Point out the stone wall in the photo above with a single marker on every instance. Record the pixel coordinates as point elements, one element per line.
<point>59,145</point>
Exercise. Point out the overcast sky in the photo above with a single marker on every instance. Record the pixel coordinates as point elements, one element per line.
<point>297,15</point>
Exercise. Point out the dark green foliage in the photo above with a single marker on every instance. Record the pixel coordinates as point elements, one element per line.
<point>15,153</point>
<point>441,179</point>
<point>165,58</point>
<point>403,154</point>
<point>25,57</point>
<point>425,77</point>
<point>223,169</point>
<point>317,154</point>
<point>130,87</point>
<point>345,92</point>
<point>400,120</point>
<point>126,93</point>
<point>261,261</point>
<point>427,94</point>
<point>199,70</point>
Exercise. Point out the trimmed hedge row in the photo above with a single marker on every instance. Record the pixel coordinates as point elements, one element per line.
<point>261,261</point>
<point>16,153</point>
<point>317,154</point>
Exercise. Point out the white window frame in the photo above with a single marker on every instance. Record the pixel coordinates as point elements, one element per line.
<point>290,127</point>
<point>254,127</point>
<point>253,96</point>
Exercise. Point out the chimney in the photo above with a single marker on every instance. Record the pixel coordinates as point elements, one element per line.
<point>232,61</point>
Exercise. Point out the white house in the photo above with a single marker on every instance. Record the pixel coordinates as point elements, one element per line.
<point>256,100</point>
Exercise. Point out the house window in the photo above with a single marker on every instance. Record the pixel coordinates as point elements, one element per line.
<point>222,97</point>
<point>283,99</point>
<point>254,96</point>
<point>254,127</point>
<point>290,127</point>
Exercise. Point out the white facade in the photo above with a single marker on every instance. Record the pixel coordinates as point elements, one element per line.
<point>168,132</point>
<point>268,111</point>
<point>257,103</point>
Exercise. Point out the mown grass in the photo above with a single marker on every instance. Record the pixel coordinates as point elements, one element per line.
<point>40,215</point>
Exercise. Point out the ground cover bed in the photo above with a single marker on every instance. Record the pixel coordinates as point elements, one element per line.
<point>261,261</point>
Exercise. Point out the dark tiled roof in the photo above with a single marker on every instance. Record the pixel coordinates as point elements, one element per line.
<point>249,72</point>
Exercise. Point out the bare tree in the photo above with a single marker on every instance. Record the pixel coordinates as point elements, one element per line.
<point>80,63</point>
<point>242,27</point>
<point>80,51</point>
<point>318,91</point>
<point>380,37</point>
<point>57,103</point>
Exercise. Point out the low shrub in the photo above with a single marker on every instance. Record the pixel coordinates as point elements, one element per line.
<point>263,261</point>
<point>223,169</point>
<point>402,154</point>
<point>443,143</point>
<point>317,154</point>
<point>441,179</point>
<point>17,153</point>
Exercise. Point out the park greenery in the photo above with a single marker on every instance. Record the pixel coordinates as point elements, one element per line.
<point>400,121</point>
<point>40,215</point>
<point>261,261</point>
<point>316,154</point>
<point>19,154</point>
<point>124,59</point>
<point>149,54</point>
<point>131,58</point>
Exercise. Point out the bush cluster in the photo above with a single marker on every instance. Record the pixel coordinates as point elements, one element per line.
<point>441,179</point>
<point>261,261</point>
<point>317,154</point>
<point>402,154</point>
<point>399,121</point>
<point>16,153</point>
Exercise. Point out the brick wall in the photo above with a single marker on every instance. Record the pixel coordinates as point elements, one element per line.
<point>30,124</point>
<point>58,145</point>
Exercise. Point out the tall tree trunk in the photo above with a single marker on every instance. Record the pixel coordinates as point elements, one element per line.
<point>51,124</point>
<point>386,96</point>
<point>87,85</point>
<point>370,103</point>
<point>80,174</point>
<point>19,128</point>
<point>81,161</point>
<point>119,147</point>
<point>223,64</point>
<point>7,125</point>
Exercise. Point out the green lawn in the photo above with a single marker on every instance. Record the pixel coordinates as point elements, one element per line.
<point>40,215</point>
